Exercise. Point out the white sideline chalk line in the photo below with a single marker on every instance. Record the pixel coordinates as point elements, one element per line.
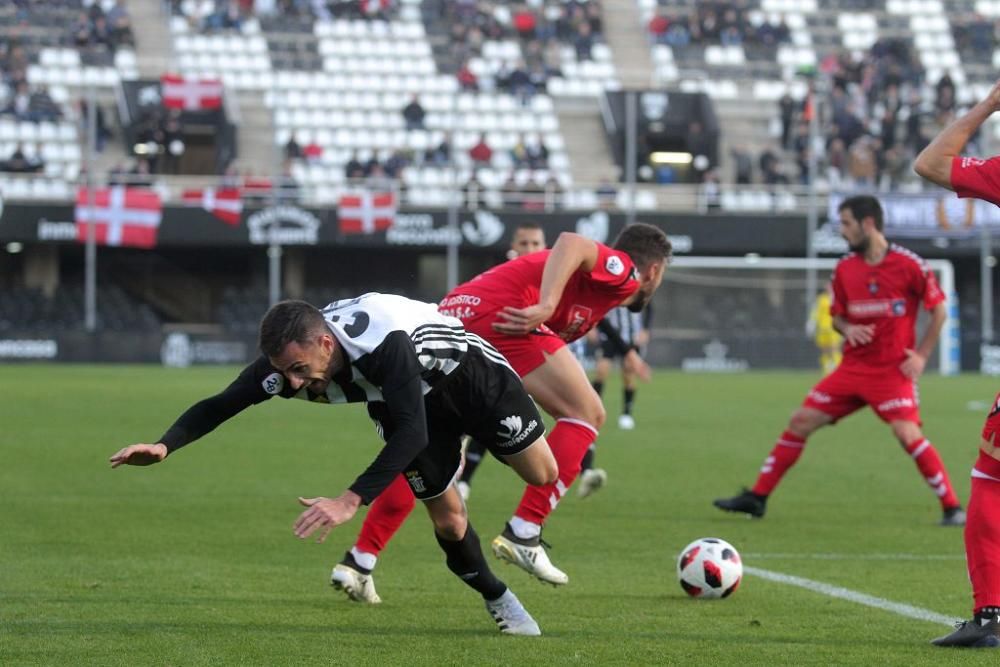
<point>853,596</point>
<point>832,556</point>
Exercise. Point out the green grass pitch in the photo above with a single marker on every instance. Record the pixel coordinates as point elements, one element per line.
<point>193,561</point>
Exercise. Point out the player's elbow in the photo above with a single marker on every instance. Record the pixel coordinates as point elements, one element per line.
<point>933,168</point>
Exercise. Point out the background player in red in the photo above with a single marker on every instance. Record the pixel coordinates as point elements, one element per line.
<point>942,163</point>
<point>877,290</point>
<point>529,308</point>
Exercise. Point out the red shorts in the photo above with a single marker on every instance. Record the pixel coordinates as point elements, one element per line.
<point>992,425</point>
<point>525,353</point>
<point>892,395</point>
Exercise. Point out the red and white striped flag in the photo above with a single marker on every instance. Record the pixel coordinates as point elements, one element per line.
<point>226,204</point>
<point>366,212</point>
<point>179,92</point>
<point>122,216</point>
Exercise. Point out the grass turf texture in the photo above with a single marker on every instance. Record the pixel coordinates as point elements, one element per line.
<point>192,562</point>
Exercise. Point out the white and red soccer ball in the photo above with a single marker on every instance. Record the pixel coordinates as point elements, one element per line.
<point>709,568</point>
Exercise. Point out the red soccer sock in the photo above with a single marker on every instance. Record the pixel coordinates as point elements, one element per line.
<point>786,452</point>
<point>982,533</point>
<point>386,515</point>
<point>568,441</point>
<point>931,467</point>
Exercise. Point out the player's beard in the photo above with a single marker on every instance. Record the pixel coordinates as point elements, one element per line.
<point>860,246</point>
<point>641,299</point>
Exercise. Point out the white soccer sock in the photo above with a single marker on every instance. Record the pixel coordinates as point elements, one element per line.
<point>364,559</point>
<point>524,530</point>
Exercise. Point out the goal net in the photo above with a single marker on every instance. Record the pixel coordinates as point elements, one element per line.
<point>728,314</point>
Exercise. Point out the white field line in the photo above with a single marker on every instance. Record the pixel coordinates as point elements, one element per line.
<point>853,596</point>
<point>833,556</point>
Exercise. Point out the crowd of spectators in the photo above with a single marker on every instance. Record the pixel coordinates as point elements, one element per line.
<point>96,33</point>
<point>720,22</point>
<point>877,112</point>
<point>226,15</point>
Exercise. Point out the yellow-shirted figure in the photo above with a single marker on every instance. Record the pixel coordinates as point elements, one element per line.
<point>820,327</point>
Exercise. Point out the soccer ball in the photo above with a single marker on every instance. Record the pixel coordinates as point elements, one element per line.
<point>709,568</point>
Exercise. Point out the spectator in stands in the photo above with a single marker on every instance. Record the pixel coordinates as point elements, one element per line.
<point>172,142</point>
<point>554,193</point>
<point>440,155</point>
<point>518,82</point>
<point>414,114</point>
<point>481,153</point>
<point>354,169</point>
<point>312,152</point>
<point>225,17</point>
<point>20,102</point>
<point>524,21</point>
<point>742,165</point>
<point>79,30</point>
<point>293,150</point>
<point>787,107</point>
<point>861,163</point>
<point>711,190</point>
<point>538,154</point>
<point>18,162</point>
<point>141,174</point>
<point>120,23</point>
<point>378,180</point>
<point>43,107</point>
<point>532,196</point>
<point>472,192</point>
<point>519,154</point>
<point>396,163</point>
<point>583,43</point>
<point>371,164</point>
<point>287,187</point>
<point>658,26</point>
<point>770,168</point>
<point>117,175</point>
<point>100,34</point>
<point>467,80</point>
<point>510,193</point>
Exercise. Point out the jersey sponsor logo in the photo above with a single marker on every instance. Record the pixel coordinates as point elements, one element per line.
<point>513,432</point>
<point>877,308</point>
<point>819,396</point>
<point>872,286</point>
<point>614,265</point>
<point>578,317</point>
<point>971,162</point>
<point>895,404</point>
<point>273,383</point>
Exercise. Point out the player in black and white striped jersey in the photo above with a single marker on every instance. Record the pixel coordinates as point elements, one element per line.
<point>426,381</point>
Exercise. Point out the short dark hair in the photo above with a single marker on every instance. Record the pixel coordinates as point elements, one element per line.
<point>528,225</point>
<point>645,244</point>
<point>288,322</point>
<point>863,206</point>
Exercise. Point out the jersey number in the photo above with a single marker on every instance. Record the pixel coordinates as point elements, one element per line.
<point>358,324</point>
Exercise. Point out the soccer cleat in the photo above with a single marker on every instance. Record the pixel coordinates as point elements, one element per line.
<point>511,616</point>
<point>590,481</point>
<point>626,422</point>
<point>977,633</point>
<point>953,516</point>
<point>747,502</point>
<point>463,489</point>
<point>529,555</point>
<point>359,587</point>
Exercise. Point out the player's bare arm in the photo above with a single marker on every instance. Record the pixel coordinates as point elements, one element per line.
<point>570,254</point>
<point>325,514</point>
<point>633,363</point>
<point>934,162</point>
<point>913,366</point>
<point>140,454</point>
<point>854,334</point>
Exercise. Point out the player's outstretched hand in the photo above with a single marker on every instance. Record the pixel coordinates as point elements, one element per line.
<point>139,455</point>
<point>635,364</point>
<point>913,367</point>
<point>859,334</point>
<point>521,321</point>
<point>325,514</point>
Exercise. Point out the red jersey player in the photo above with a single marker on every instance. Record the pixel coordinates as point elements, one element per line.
<point>942,163</point>
<point>877,291</point>
<point>529,308</point>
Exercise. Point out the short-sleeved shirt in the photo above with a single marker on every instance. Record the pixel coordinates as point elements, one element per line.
<point>888,295</point>
<point>587,297</point>
<point>977,178</point>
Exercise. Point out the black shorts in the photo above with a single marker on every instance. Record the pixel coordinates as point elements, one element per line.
<point>609,350</point>
<point>482,398</point>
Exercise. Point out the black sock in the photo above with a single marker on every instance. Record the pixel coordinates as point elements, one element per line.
<point>588,458</point>
<point>629,399</point>
<point>353,564</point>
<point>465,559</point>
<point>473,457</point>
<point>598,386</point>
<point>987,613</point>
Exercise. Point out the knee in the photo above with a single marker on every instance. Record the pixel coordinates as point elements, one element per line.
<point>545,473</point>
<point>451,526</point>
<point>801,424</point>
<point>596,415</point>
